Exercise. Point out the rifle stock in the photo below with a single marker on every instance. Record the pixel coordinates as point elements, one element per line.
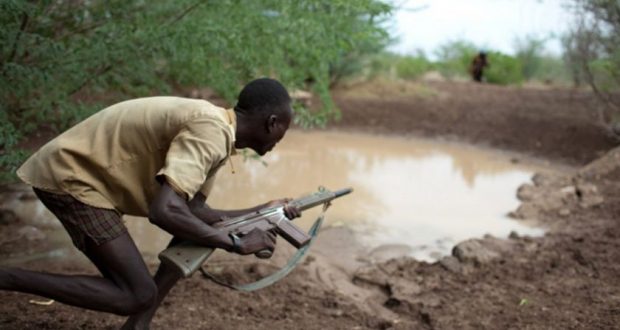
<point>187,256</point>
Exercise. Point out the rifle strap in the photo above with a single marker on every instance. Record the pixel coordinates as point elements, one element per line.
<point>278,275</point>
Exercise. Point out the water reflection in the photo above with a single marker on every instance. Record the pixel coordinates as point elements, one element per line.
<point>427,203</point>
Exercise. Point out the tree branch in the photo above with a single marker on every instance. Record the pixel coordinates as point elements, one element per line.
<point>185,12</point>
<point>22,29</point>
<point>98,72</point>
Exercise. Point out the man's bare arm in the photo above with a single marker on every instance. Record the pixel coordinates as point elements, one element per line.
<point>171,212</point>
<point>203,211</point>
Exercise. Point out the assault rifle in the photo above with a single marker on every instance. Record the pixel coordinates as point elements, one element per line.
<point>188,256</point>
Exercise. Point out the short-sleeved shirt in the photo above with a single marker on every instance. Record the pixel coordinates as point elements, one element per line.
<point>114,158</point>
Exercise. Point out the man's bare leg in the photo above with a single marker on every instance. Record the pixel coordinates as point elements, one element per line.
<point>165,278</point>
<point>126,289</point>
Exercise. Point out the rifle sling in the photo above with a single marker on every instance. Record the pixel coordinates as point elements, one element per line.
<point>278,275</point>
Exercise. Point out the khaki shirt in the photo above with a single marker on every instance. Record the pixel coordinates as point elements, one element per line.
<point>114,158</point>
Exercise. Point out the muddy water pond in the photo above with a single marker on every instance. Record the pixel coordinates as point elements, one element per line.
<point>420,195</point>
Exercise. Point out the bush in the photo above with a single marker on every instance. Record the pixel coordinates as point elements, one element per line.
<point>52,53</point>
<point>454,58</point>
<point>553,70</point>
<point>410,67</point>
<point>537,64</point>
<point>503,69</point>
<point>529,52</point>
<point>52,50</point>
<point>592,50</point>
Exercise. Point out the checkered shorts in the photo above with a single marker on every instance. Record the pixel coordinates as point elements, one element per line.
<point>83,221</point>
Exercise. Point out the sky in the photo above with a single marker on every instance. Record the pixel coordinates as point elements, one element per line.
<point>489,24</point>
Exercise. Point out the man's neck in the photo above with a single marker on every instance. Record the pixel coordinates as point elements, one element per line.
<point>242,131</point>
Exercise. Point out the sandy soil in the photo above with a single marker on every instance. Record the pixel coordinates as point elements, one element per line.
<point>566,279</point>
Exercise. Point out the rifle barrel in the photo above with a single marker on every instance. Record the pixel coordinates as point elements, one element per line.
<point>318,198</point>
<point>343,192</point>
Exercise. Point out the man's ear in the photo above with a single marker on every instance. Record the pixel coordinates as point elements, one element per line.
<point>271,122</point>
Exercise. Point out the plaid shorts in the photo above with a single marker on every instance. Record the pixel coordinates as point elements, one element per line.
<point>83,221</point>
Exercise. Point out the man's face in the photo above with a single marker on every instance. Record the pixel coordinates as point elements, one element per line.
<point>273,131</point>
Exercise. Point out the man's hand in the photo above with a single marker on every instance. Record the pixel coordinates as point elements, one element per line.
<point>290,211</point>
<point>256,240</point>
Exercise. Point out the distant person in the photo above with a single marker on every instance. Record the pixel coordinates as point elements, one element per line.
<point>477,66</point>
<point>154,157</point>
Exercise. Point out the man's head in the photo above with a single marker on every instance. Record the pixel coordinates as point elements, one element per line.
<point>263,115</point>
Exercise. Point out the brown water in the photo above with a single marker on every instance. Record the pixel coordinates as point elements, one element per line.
<point>419,194</point>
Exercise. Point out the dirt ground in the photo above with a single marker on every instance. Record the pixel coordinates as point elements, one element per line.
<point>567,279</point>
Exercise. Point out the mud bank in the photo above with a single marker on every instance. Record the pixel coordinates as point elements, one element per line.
<point>558,124</point>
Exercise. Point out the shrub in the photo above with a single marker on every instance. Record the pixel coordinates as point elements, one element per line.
<point>454,58</point>
<point>52,53</point>
<point>592,50</point>
<point>503,69</point>
<point>412,67</point>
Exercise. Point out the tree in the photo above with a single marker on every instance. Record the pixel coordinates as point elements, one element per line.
<point>593,48</point>
<point>56,56</point>
<point>529,51</point>
<point>503,69</point>
<point>51,51</point>
<point>454,57</point>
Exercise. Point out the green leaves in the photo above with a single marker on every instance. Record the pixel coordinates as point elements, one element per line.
<point>503,69</point>
<point>296,41</point>
<point>592,48</point>
<point>58,57</point>
<point>454,57</point>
